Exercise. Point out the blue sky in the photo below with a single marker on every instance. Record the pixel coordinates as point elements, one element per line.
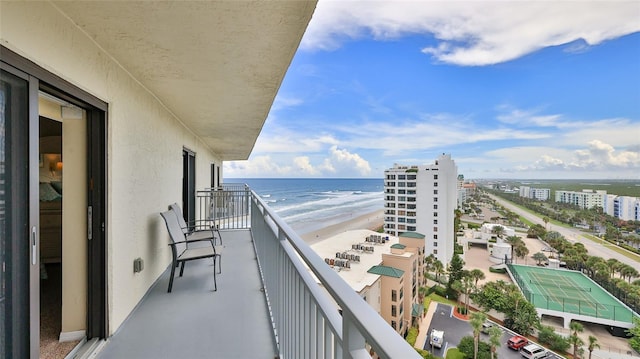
<point>510,89</point>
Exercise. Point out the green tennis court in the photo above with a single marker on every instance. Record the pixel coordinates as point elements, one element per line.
<point>567,291</point>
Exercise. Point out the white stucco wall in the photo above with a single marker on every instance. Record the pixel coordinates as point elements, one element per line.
<point>145,144</point>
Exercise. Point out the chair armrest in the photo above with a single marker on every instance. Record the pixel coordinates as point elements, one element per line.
<point>191,241</point>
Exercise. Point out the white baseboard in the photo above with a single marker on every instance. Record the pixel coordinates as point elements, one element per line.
<point>72,336</point>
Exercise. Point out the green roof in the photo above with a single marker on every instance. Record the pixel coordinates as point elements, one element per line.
<point>416,310</point>
<point>412,235</point>
<point>398,246</point>
<point>386,270</point>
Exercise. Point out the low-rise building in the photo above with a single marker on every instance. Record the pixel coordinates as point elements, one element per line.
<point>586,199</point>
<point>540,194</point>
<point>385,270</point>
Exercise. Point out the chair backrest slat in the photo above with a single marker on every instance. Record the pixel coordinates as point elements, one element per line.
<point>175,233</point>
<point>181,222</point>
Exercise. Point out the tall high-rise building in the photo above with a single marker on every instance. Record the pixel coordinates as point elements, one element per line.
<point>423,198</point>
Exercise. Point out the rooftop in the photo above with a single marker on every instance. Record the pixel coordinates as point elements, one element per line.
<point>387,271</point>
<point>357,276</point>
<point>412,235</point>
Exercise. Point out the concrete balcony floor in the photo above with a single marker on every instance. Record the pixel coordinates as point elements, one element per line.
<point>193,321</point>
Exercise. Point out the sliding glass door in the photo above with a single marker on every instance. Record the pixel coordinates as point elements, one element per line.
<point>19,317</point>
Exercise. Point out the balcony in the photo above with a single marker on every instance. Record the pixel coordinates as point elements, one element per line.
<point>268,303</point>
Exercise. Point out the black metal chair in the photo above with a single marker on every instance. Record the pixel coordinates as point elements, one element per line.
<point>182,254</point>
<point>191,232</point>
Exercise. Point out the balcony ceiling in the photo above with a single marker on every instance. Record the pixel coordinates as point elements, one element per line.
<point>216,65</point>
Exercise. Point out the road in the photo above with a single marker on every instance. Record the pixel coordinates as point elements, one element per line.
<point>571,234</point>
<point>455,329</point>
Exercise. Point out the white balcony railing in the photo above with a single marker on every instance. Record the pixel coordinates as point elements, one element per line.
<point>314,312</point>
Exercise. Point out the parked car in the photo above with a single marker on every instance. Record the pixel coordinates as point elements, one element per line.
<point>533,351</point>
<point>437,338</point>
<point>516,342</point>
<point>486,326</point>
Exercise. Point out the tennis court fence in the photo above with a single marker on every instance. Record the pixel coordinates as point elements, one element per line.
<point>577,306</point>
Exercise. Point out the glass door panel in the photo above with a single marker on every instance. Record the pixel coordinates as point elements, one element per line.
<point>15,238</point>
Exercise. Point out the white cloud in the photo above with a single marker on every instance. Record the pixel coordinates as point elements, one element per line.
<point>598,156</point>
<point>474,33</point>
<point>349,162</point>
<point>521,117</point>
<point>304,166</point>
<point>259,166</point>
<point>336,163</point>
<point>431,131</point>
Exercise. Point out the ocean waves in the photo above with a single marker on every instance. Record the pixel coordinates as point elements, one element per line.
<point>312,203</point>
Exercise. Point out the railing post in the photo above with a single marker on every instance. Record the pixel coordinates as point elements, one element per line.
<point>353,342</point>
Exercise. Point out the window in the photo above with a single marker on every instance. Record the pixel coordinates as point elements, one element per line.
<point>435,177</point>
<point>435,199</point>
<point>435,206</point>
<point>435,214</point>
<point>435,251</point>
<point>401,293</point>
<point>394,295</point>
<point>435,244</point>
<point>435,184</point>
<point>435,236</point>
<point>393,325</point>
<point>435,191</point>
<point>401,177</point>
<point>435,221</point>
<point>394,311</point>
<point>435,229</point>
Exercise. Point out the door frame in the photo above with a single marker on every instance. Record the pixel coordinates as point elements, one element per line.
<point>97,114</point>
<point>18,318</point>
<point>189,186</point>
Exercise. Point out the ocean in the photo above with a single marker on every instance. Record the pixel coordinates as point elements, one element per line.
<point>308,204</point>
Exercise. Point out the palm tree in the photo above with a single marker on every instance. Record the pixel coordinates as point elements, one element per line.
<point>521,250</point>
<point>539,257</point>
<point>438,269</point>
<point>629,272</point>
<point>574,339</point>
<point>614,266</point>
<point>476,321</point>
<point>545,219</point>
<point>593,344</point>
<point>498,231</point>
<point>495,339</point>
<point>513,241</point>
<point>477,275</point>
<point>422,292</point>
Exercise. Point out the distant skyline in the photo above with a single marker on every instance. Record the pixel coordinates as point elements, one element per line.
<point>538,90</point>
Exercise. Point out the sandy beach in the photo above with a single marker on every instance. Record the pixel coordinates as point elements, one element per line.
<point>372,221</point>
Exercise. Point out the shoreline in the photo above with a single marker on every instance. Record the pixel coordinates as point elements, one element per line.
<point>372,221</point>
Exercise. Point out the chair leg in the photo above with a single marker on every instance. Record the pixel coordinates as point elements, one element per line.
<point>173,271</point>
<point>182,268</point>
<point>215,283</point>
<point>219,264</point>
